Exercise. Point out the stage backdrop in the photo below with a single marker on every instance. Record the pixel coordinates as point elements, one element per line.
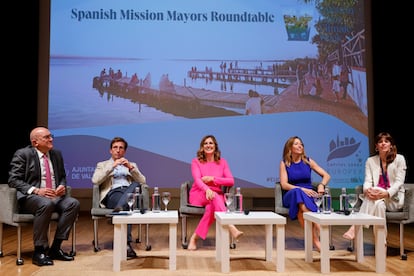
<point>162,74</point>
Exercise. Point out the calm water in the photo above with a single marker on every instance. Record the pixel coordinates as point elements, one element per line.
<point>74,103</point>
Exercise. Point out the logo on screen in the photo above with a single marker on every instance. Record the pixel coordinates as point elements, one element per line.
<point>342,148</point>
<point>297,27</point>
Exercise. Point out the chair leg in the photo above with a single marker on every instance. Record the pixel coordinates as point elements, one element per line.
<point>139,236</point>
<point>232,242</point>
<point>73,251</point>
<point>95,235</point>
<point>1,240</point>
<point>331,246</point>
<point>351,246</point>
<point>147,245</point>
<point>184,242</point>
<point>19,260</point>
<point>402,253</point>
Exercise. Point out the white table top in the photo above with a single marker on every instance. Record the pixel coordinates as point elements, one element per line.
<point>148,217</point>
<point>341,219</point>
<point>253,218</point>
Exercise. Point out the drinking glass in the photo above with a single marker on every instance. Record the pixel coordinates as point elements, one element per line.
<point>318,201</point>
<point>228,197</point>
<point>130,200</point>
<point>166,197</point>
<point>352,200</point>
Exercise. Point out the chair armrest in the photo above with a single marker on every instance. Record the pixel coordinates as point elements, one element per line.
<point>95,196</point>
<point>8,203</point>
<point>315,185</point>
<point>184,193</point>
<point>358,191</point>
<point>279,208</point>
<point>68,190</point>
<point>409,202</point>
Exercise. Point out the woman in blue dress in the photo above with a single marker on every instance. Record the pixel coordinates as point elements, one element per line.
<point>296,182</point>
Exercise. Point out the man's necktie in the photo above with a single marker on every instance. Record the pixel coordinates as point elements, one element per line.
<point>48,175</point>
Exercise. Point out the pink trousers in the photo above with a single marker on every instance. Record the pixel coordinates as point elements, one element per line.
<point>211,206</point>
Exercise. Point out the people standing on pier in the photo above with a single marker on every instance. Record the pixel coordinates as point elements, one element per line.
<point>300,78</point>
<point>344,80</point>
<point>134,79</point>
<point>336,87</point>
<point>111,72</point>
<point>336,72</point>
<point>316,89</point>
<point>254,105</point>
<point>118,75</point>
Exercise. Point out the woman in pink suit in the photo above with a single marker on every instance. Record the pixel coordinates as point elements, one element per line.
<point>210,172</point>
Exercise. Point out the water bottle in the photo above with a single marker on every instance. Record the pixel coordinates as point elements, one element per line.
<point>238,201</point>
<point>327,201</point>
<point>156,201</point>
<point>139,200</point>
<point>343,201</point>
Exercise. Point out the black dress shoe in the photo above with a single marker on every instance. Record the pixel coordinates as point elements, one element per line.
<point>118,209</point>
<point>41,259</point>
<point>60,255</point>
<point>130,252</point>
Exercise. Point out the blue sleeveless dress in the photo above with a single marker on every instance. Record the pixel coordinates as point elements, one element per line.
<point>299,174</point>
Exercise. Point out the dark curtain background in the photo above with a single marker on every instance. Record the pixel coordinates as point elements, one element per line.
<point>392,59</point>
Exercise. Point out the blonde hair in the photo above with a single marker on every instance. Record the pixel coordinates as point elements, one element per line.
<point>287,151</point>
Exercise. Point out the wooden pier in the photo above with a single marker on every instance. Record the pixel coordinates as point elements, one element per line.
<point>277,78</point>
<point>183,98</point>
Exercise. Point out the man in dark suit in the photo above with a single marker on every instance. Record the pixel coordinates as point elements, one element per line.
<point>37,172</point>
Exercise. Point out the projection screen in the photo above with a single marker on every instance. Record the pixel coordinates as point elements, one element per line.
<point>162,74</point>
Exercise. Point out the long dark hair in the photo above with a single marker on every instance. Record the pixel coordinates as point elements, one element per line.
<point>393,149</point>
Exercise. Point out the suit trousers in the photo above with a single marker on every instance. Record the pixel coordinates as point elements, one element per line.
<point>42,208</point>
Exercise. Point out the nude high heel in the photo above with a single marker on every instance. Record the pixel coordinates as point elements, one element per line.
<point>192,245</point>
<point>350,234</point>
<point>235,233</point>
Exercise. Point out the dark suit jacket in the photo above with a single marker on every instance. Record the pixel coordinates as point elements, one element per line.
<point>25,171</point>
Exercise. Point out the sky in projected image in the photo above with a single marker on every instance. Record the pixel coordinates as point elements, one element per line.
<point>167,112</point>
